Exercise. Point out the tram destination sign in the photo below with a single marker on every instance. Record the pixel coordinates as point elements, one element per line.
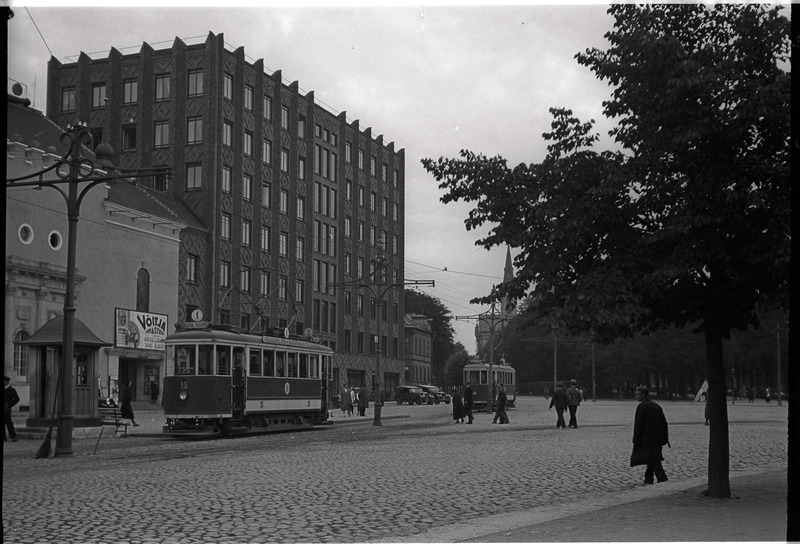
<point>140,330</point>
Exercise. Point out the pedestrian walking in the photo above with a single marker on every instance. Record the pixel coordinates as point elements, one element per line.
<point>546,393</point>
<point>767,395</point>
<point>574,399</point>
<point>154,392</point>
<point>458,407</point>
<point>363,400</point>
<point>347,402</point>
<point>469,398</point>
<point>650,434</point>
<point>126,410</point>
<point>750,394</point>
<point>559,400</point>
<point>502,404</point>
<point>10,399</point>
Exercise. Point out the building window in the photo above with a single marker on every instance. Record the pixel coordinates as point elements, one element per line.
<point>227,133</point>
<point>394,244</point>
<point>21,356</point>
<point>348,227</point>
<point>191,269</point>
<point>194,130</point>
<point>360,305</point>
<point>267,108</point>
<point>360,159</point>
<point>67,99</point>
<point>194,176</point>
<point>130,91</point>
<point>248,98</point>
<point>161,138</point>
<point>360,267</point>
<point>284,160</point>
<point>360,231</point>
<point>284,118</point>
<point>284,202</point>
<point>265,245</point>
<point>298,291</point>
<point>227,87</point>
<point>301,127</point>
<point>129,138</point>
<point>143,290</point>
<point>283,244</point>
<point>395,209</point>
<point>160,182</point>
<point>348,258</point>
<point>248,144</point>
<point>244,279</point>
<point>247,188</point>
<point>246,228</point>
<point>283,284</point>
<point>348,190</point>
<point>224,274</point>
<point>266,197</point>
<point>98,95</point>
<point>195,82</point>
<point>384,206</point>
<point>264,283</point>
<point>372,235</point>
<point>301,208</point>
<point>162,87</point>
<point>384,172</point>
<point>348,152</point>
<point>396,177</point>
<point>225,227</point>
<point>300,249</point>
<point>227,175</point>
<point>266,151</point>
<point>360,196</point>
<point>372,163</point>
<point>301,168</point>
<point>360,342</point>
<point>372,198</point>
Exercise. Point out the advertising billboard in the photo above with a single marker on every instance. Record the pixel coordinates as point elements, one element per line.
<point>140,330</point>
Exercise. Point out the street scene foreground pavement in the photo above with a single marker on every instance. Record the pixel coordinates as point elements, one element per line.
<point>417,478</point>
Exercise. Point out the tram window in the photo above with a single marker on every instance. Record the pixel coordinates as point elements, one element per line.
<point>184,360</point>
<point>269,362</point>
<point>291,367</point>
<point>280,364</point>
<point>303,365</point>
<point>484,376</point>
<point>223,360</point>
<point>314,364</point>
<point>238,361</point>
<point>204,366</point>
<point>255,363</point>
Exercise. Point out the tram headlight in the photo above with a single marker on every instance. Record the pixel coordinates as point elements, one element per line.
<point>182,395</point>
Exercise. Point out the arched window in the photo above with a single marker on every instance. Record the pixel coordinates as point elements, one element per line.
<point>143,290</point>
<point>21,356</point>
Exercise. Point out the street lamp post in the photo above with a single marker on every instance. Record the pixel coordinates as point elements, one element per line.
<point>76,168</point>
<point>778,334</point>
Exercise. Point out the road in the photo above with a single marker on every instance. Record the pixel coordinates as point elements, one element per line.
<point>419,477</point>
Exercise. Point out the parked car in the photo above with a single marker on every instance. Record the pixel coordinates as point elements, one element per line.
<point>435,395</point>
<point>410,394</point>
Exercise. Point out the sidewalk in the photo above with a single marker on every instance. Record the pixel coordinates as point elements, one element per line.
<point>668,512</point>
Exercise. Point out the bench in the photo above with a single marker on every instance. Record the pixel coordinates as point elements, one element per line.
<point>111,416</point>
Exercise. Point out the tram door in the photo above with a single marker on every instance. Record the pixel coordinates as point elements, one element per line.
<point>237,384</point>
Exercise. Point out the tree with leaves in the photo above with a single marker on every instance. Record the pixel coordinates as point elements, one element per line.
<point>688,223</point>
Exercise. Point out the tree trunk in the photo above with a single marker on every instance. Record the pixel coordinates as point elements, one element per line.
<point>718,450</point>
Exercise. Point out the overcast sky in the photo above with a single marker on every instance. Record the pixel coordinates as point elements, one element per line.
<point>433,80</point>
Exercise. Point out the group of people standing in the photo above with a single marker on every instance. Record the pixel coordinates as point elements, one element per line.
<point>352,397</point>
<point>463,407</point>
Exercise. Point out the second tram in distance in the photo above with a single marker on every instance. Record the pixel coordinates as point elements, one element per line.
<point>220,380</point>
<point>478,375</point>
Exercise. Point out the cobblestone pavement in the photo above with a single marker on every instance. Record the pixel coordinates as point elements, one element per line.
<point>415,478</point>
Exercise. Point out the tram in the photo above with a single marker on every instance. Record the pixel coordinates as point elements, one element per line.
<point>220,381</point>
<point>477,374</point>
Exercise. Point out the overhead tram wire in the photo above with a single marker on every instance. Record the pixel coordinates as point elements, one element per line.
<point>444,269</point>
<point>28,10</point>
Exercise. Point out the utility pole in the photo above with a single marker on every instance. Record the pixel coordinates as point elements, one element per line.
<point>492,318</point>
<point>378,286</point>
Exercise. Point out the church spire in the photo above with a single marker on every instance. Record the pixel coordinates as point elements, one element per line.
<point>509,305</point>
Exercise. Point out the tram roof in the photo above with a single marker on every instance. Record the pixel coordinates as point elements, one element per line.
<point>213,336</point>
<point>485,366</point>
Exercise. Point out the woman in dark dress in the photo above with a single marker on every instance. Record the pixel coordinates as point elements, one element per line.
<point>126,411</point>
<point>458,408</point>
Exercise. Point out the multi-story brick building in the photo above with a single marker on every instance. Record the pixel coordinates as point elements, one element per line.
<point>296,201</point>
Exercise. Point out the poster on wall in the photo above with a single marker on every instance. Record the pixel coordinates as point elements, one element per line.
<point>140,330</point>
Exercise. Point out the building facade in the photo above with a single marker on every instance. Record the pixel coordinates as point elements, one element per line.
<point>418,348</point>
<point>127,262</point>
<point>296,202</point>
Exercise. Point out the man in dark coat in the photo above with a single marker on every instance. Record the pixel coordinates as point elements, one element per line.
<point>469,397</point>
<point>502,404</point>
<point>363,400</point>
<point>574,399</point>
<point>650,433</point>
<point>10,399</point>
<point>559,400</point>
<point>458,407</point>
